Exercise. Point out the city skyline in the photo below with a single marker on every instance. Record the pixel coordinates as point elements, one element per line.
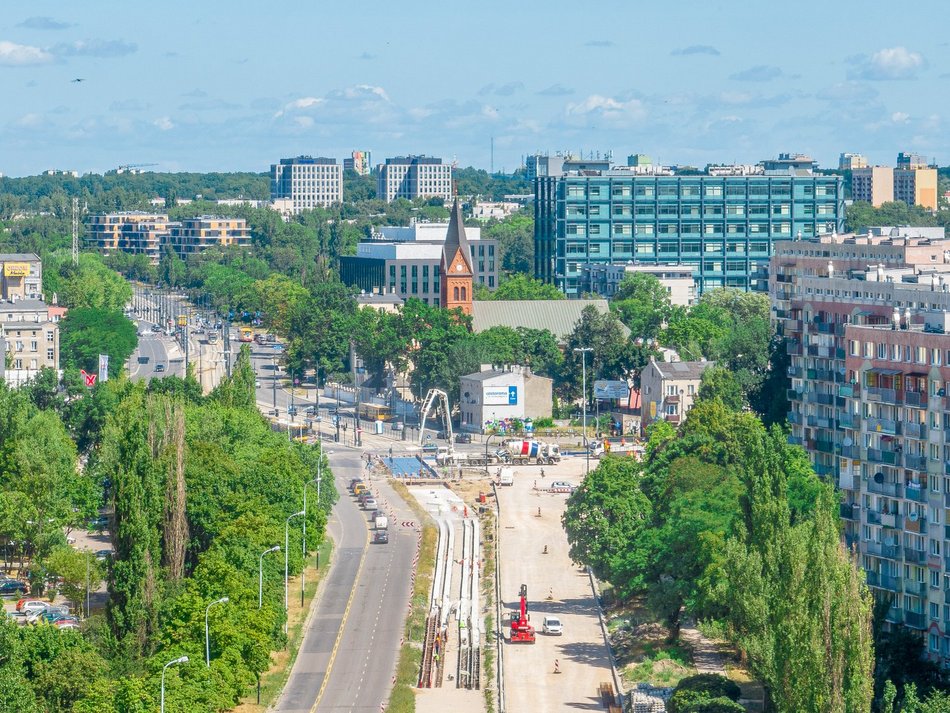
<point>229,87</point>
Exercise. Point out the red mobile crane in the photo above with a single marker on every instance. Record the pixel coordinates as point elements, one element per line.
<point>521,631</point>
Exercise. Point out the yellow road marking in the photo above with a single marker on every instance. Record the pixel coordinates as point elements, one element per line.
<point>339,636</point>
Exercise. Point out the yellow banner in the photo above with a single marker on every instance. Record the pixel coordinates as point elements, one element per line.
<point>182,320</point>
<point>16,269</point>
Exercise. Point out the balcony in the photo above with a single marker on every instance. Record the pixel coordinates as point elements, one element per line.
<point>824,399</point>
<point>918,526</point>
<point>886,581</point>
<point>876,455</point>
<point>915,462</point>
<point>915,493</point>
<point>793,349</point>
<point>795,371</point>
<point>824,446</point>
<point>915,430</point>
<point>915,398</point>
<point>849,511</point>
<point>946,504</point>
<point>875,393</point>
<point>848,390</point>
<point>849,420</point>
<point>851,452</point>
<point>793,395</point>
<point>894,615</point>
<point>892,552</point>
<point>795,440</point>
<point>894,490</point>
<point>915,620</point>
<point>914,557</point>
<point>822,470</point>
<point>882,425</point>
<point>795,417</point>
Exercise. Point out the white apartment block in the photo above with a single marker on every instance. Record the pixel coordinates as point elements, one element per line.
<point>413,177</point>
<point>307,182</point>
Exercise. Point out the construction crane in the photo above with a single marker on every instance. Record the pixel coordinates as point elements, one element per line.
<point>521,631</point>
<point>431,399</point>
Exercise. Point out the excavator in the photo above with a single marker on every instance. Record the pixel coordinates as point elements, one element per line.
<point>521,631</point>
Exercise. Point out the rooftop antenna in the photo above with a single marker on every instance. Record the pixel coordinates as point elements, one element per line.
<point>75,230</point>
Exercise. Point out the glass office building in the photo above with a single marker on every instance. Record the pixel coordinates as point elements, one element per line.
<point>721,226</point>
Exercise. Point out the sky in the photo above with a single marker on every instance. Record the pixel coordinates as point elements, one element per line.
<point>229,85</point>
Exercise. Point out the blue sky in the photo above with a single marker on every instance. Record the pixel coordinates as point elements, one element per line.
<point>236,84</point>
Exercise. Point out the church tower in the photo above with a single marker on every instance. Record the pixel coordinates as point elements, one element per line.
<point>456,266</point>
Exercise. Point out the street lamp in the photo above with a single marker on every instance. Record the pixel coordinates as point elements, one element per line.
<point>222,600</point>
<point>583,352</point>
<point>180,659</point>
<point>287,565</point>
<point>304,547</point>
<point>260,575</point>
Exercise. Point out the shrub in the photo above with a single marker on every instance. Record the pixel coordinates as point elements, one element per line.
<point>714,705</point>
<point>703,689</point>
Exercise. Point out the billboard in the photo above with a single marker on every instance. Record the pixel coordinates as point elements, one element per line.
<point>103,367</point>
<point>16,269</point>
<point>500,396</point>
<point>605,390</point>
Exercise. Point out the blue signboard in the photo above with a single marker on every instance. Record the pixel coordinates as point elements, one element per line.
<point>512,395</point>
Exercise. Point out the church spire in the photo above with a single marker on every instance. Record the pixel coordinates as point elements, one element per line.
<point>455,240</point>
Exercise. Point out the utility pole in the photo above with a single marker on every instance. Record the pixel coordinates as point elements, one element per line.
<point>583,352</point>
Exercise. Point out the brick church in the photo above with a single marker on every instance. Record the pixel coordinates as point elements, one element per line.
<point>456,268</point>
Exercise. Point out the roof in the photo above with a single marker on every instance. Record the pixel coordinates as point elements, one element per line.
<point>19,257</point>
<point>455,240</point>
<point>682,369</point>
<point>557,316</point>
<point>485,375</point>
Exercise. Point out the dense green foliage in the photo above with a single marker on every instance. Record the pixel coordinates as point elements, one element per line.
<point>522,287</point>
<point>86,332</point>
<point>705,689</point>
<point>726,520</point>
<point>198,488</point>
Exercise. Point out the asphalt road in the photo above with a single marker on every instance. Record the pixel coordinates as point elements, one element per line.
<point>348,656</point>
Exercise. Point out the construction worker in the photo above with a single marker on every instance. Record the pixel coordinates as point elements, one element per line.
<point>539,513</point>
<point>542,472</point>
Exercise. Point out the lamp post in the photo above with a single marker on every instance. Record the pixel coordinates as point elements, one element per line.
<point>303,572</point>
<point>180,659</point>
<point>222,600</point>
<point>260,575</point>
<point>287,564</point>
<point>583,352</point>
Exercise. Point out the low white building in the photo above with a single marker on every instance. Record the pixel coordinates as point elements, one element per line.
<point>677,279</point>
<point>499,394</point>
<point>668,389</point>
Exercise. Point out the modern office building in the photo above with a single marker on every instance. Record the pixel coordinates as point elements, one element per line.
<point>916,186</point>
<point>307,182</point>
<point>873,184</point>
<point>851,161</point>
<point>723,227</point>
<point>359,161</point>
<point>149,233</point>
<point>195,235</point>
<point>908,160</point>
<point>545,165</point>
<point>790,161</point>
<point>133,232</point>
<point>677,279</point>
<point>406,261</point>
<point>412,177</point>
<point>866,320</point>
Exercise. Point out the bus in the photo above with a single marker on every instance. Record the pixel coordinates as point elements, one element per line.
<point>246,334</point>
<point>374,412</point>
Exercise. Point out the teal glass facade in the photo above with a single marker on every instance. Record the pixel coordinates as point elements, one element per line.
<point>723,227</point>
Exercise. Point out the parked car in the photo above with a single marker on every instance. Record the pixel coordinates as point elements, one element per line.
<point>67,623</point>
<point>463,437</point>
<point>369,503</point>
<point>551,625</point>
<point>12,588</point>
<point>32,605</point>
<point>103,554</point>
<point>98,523</point>
<point>442,435</point>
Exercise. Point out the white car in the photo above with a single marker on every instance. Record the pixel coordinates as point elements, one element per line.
<point>33,606</point>
<point>551,625</point>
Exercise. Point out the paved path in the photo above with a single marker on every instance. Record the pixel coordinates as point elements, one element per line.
<point>530,682</point>
<point>706,655</point>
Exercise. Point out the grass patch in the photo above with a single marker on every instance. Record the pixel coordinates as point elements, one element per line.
<point>661,667</point>
<point>403,697</point>
<point>282,662</point>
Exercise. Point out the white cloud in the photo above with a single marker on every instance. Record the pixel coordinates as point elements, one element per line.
<point>30,121</point>
<point>94,48</point>
<point>164,123</point>
<point>489,112</point>
<point>900,117</point>
<point>362,91</point>
<point>607,107</point>
<point>14,55</point>
<point>297,104</point>
<point>888,63</point>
